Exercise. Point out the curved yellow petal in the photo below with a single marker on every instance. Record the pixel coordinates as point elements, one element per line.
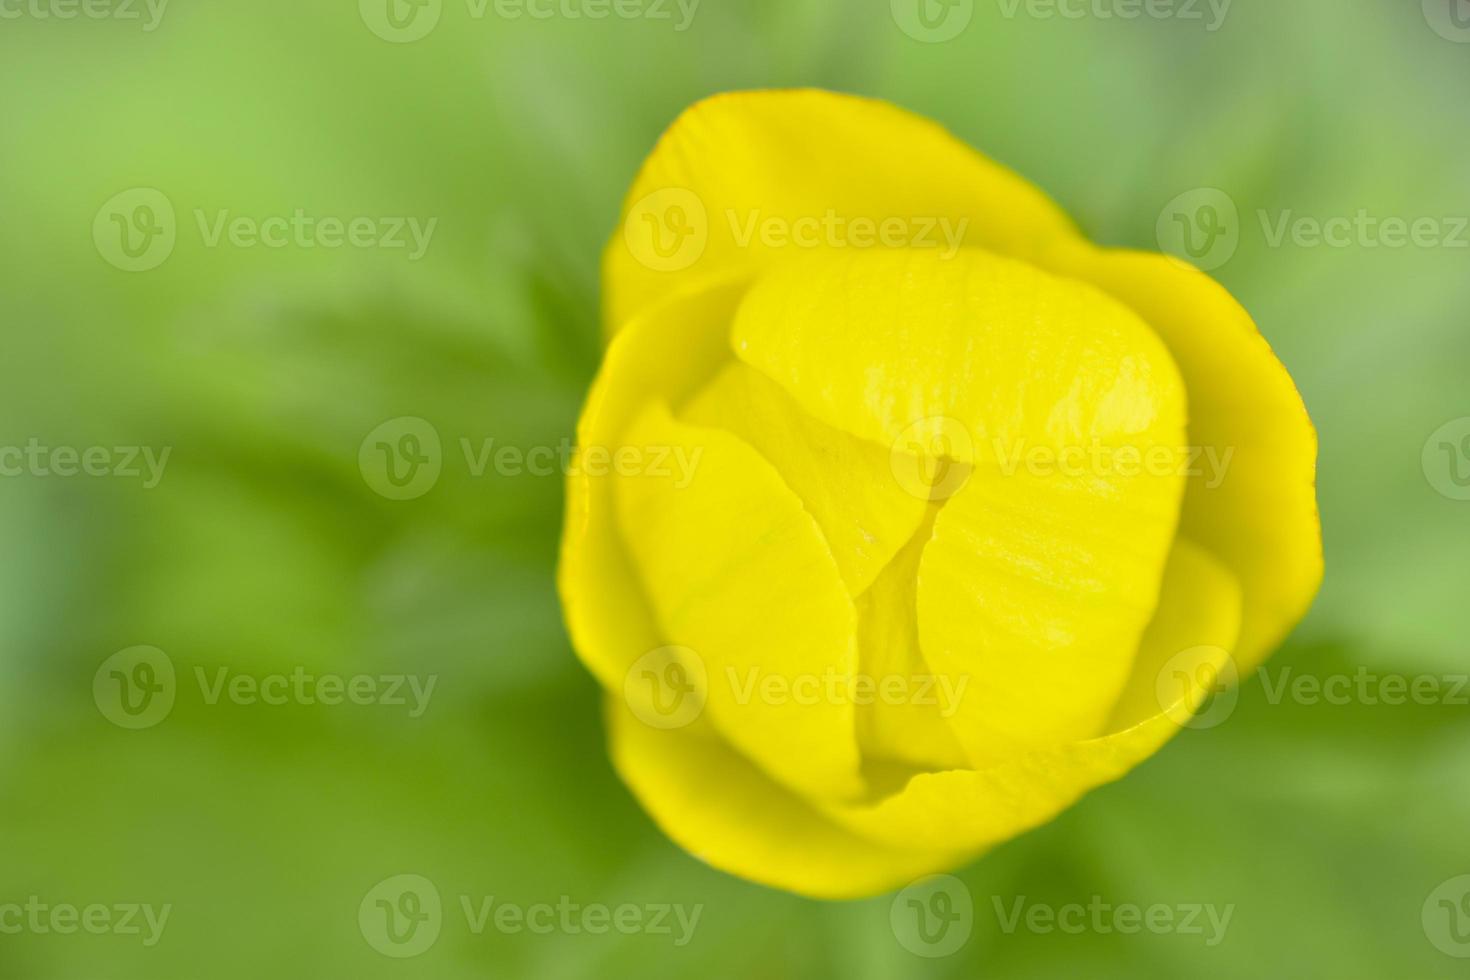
<point>607,614</point>
<point>846,484</point>
<point>1037,588</point>
<point>910,728</point>
<point>742,179</point>
<point>736,570</point>
<point>1199,606</point>
<point>723,810</point>
<point>971,810</point>
<point>979,355</point>
<point>1253,504</point>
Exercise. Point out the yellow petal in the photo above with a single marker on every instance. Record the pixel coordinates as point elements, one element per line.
<point>971,810</point>
<point>737,571</point>
<point>1199,607</point>
<point>912,727</point>
<point>723,810</point>
<point>1041,608</point>
<point>1037,589</point>
<point>1261,518</point>
<point>738,160</point>
<point>846,484</point>
<point>671,350</point>
<point>982,355</point>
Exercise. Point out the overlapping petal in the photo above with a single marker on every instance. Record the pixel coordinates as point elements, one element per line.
<point>791,155</point>
<point>1058,603</point>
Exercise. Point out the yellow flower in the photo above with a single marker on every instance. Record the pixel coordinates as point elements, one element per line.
<point>904,515</point>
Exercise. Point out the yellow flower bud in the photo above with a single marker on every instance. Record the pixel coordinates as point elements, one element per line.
<point>925,515</point>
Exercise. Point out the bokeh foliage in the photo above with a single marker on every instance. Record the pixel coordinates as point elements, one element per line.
<point>263,548</point>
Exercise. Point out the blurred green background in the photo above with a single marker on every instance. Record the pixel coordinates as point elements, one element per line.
<point>264,548</point>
